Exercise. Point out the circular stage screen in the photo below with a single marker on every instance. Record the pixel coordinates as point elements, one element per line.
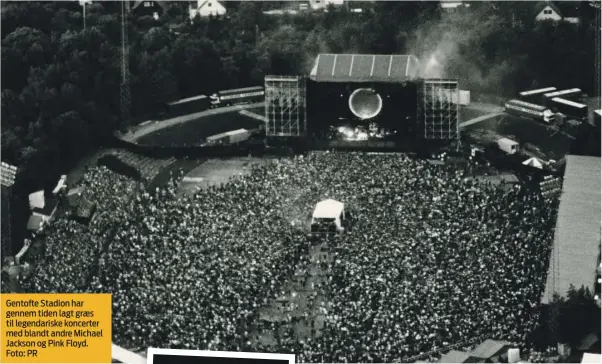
<point>365,103</point>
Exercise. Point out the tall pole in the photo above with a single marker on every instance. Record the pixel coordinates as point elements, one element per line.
<point>125,66</point>
<point>83,4</point>
<point>8,174</point>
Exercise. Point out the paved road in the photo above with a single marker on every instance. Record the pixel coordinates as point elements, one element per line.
<point>253,115</point>
<point>142,130</point>
<point>481,106</point>
<point>480,118</point>
<point>149,127</point>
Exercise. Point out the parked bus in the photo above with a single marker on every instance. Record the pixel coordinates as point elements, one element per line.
<point>238,96</point>
<point>528,110</point>
<point>570,108</point>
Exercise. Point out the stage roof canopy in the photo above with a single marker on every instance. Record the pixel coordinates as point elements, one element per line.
<point>364,68</point>
<point>577,234</point>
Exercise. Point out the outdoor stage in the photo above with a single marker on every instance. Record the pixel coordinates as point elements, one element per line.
<point>380,97</point>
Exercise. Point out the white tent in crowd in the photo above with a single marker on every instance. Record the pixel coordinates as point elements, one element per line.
<point>534,162</point>
<point>329,209</point>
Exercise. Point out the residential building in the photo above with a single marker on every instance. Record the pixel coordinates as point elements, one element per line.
<point>148,8</point>
<point>205,8</point>
<point>557,11</point>
<point>322,4</point>
<point>450,5</point>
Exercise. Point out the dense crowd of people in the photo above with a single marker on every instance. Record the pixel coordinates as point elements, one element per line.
<point>432,259</point>
<point>71,249</point>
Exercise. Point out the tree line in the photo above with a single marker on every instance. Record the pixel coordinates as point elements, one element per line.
<point>60,82</point>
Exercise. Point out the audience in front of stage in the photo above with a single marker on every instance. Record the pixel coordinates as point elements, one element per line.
<point>432,260</point>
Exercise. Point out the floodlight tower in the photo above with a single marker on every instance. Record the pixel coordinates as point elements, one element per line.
<point>8,174</point>
<point>125,64</point>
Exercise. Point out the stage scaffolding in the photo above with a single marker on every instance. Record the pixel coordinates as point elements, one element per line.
<point>438,109</point>
<point>285,106</point>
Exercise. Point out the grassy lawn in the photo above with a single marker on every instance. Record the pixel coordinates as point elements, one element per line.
<point>468,114</point>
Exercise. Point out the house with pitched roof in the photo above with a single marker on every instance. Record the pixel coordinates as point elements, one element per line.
<point>205,8</point>
<point>557,11</point>
<point>148,8</point>
<point>451,5</point>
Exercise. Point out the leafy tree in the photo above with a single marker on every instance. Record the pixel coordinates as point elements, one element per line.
<point>197,65</point>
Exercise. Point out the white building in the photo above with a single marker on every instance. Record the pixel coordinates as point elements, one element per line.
<point>562,11</point>
<point>322,4</point>
<point>205,8</point>
<point>452,5</point>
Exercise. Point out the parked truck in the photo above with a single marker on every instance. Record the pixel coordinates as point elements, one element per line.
<point>529,110</point>
<point>229,137</point>
<point>508,146</point>
<point>570,108</point>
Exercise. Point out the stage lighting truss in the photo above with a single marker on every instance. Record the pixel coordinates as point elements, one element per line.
<point>285,106</point>
<point>438,109</point>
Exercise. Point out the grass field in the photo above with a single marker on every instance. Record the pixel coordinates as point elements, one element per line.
<point>216,171</point>
<point>194,132</point>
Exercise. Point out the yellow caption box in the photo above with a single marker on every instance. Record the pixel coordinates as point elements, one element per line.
<point>55,328</point>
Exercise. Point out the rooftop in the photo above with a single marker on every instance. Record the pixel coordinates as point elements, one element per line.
<point>364,68</point>
<point>577,234</point>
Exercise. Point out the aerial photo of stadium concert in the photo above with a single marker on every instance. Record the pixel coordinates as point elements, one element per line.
<point>345,181</point>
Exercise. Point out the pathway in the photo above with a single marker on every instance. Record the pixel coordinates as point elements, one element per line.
<point>149,127</point>
<point>298,313</point>
<point>253,115</point>
<point>480,119</point>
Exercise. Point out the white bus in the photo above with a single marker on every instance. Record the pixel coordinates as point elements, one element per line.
<point>529,110</point>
